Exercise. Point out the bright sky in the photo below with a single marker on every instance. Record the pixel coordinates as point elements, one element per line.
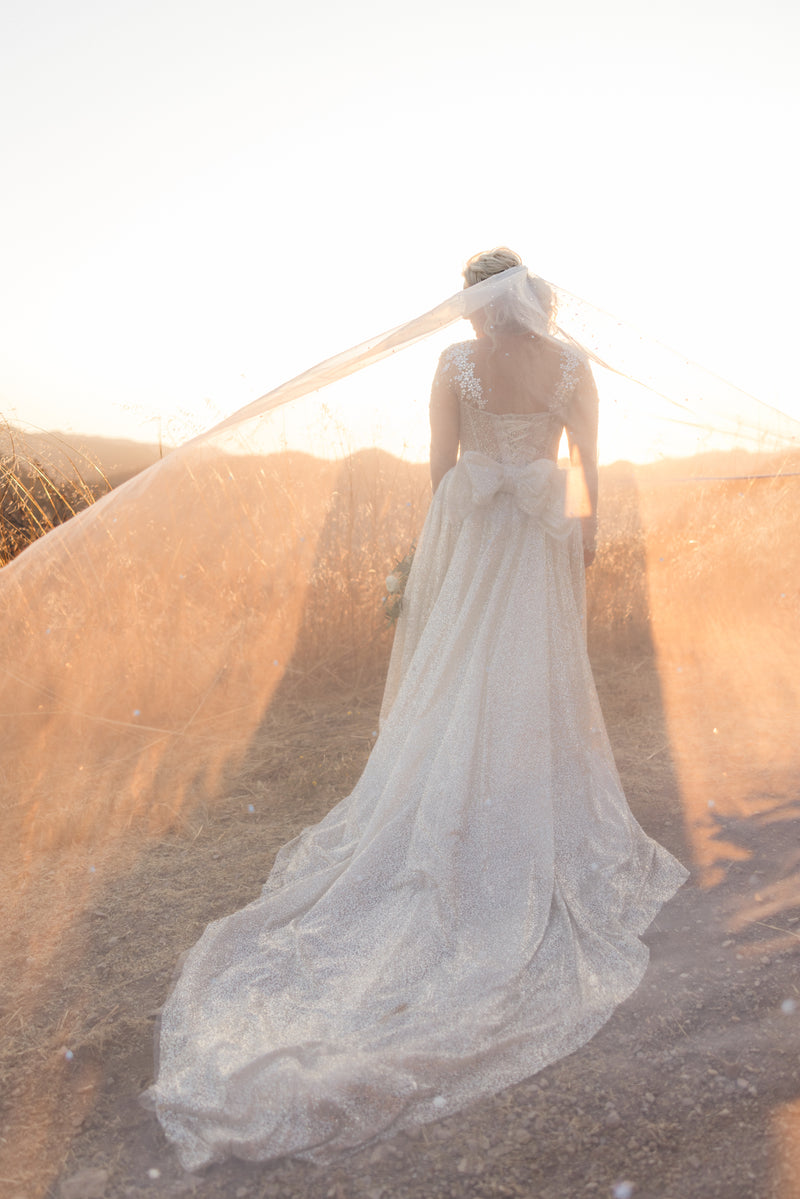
<point>203,198</point>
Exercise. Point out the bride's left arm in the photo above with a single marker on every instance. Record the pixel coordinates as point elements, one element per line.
<point>581,426</point>
<point>444,426</point>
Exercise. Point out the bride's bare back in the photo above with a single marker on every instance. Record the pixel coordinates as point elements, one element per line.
<point>510,397</point>
<point>520,374</point>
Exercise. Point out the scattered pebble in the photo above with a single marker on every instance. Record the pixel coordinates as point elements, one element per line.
<point>789,1007</point>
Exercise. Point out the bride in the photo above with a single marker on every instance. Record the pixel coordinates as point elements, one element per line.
<point>472,911</point>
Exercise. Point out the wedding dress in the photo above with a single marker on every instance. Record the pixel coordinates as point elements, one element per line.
<point>472,911</point>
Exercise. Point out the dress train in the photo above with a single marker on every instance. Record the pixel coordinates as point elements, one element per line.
<point>472,911</point>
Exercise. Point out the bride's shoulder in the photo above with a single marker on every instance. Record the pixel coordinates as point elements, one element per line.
<point>456,355</point>
<point>567,351</point>
<point>456,366</point>
<point>574,361</point>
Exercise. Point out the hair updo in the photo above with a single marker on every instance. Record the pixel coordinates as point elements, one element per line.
<point>529,307</point>
<point>490,262</point>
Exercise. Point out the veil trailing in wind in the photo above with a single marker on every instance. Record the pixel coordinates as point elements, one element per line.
<point>143,641</point>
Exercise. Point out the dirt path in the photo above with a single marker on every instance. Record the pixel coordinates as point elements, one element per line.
<point>691,1089</point>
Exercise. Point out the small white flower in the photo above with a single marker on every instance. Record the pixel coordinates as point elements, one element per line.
<point>392,584</point>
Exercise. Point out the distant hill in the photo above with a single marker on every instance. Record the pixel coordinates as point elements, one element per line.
<point>83,454</point>
<point>119,459</point>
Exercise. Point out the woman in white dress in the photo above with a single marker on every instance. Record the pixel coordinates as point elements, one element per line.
<point>472,911</point>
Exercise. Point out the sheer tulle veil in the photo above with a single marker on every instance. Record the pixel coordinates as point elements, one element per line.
<point>145,642</point>
<point>144,639</point>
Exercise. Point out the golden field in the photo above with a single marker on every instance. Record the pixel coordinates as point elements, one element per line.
<point>185,693</point>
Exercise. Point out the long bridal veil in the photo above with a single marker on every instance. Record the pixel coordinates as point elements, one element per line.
<point>144,643</point>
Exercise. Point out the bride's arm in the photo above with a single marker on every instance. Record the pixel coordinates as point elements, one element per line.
<point>582,437</point>
<point>444,426</point>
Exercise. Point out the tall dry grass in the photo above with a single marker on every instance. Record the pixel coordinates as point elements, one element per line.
<point>376,508</point>
<point>696,554</point>
<point>36,493</point>
<point>146,662</point>
<point>205,646</point>
<point>718,602</point>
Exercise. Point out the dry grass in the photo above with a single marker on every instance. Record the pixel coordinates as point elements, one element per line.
<point>231,624</point>
<point>377,506</point>
<point>223,621</point>
<point>693,615</point>
<point>225,625</point>
<point>37,493</point>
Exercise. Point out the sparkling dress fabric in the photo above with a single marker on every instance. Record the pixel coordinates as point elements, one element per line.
<point>472,911</point>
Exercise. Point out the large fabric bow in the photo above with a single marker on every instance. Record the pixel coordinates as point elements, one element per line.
<point>538,488</point>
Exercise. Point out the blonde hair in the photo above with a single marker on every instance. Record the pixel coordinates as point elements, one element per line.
<point>528,308</point>
<point>489,262</point>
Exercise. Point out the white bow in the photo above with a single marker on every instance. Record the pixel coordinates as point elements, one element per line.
<point>537,487</point>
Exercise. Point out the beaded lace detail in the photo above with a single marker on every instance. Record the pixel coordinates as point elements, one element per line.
<point>509,436</point>
<point>570,363</point>
<point>457,361</point>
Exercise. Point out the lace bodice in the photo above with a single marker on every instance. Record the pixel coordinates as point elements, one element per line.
<point>510,436</point>
<point>507,436</point>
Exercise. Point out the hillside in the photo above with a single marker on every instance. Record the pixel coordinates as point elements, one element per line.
<point>94,458</point>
